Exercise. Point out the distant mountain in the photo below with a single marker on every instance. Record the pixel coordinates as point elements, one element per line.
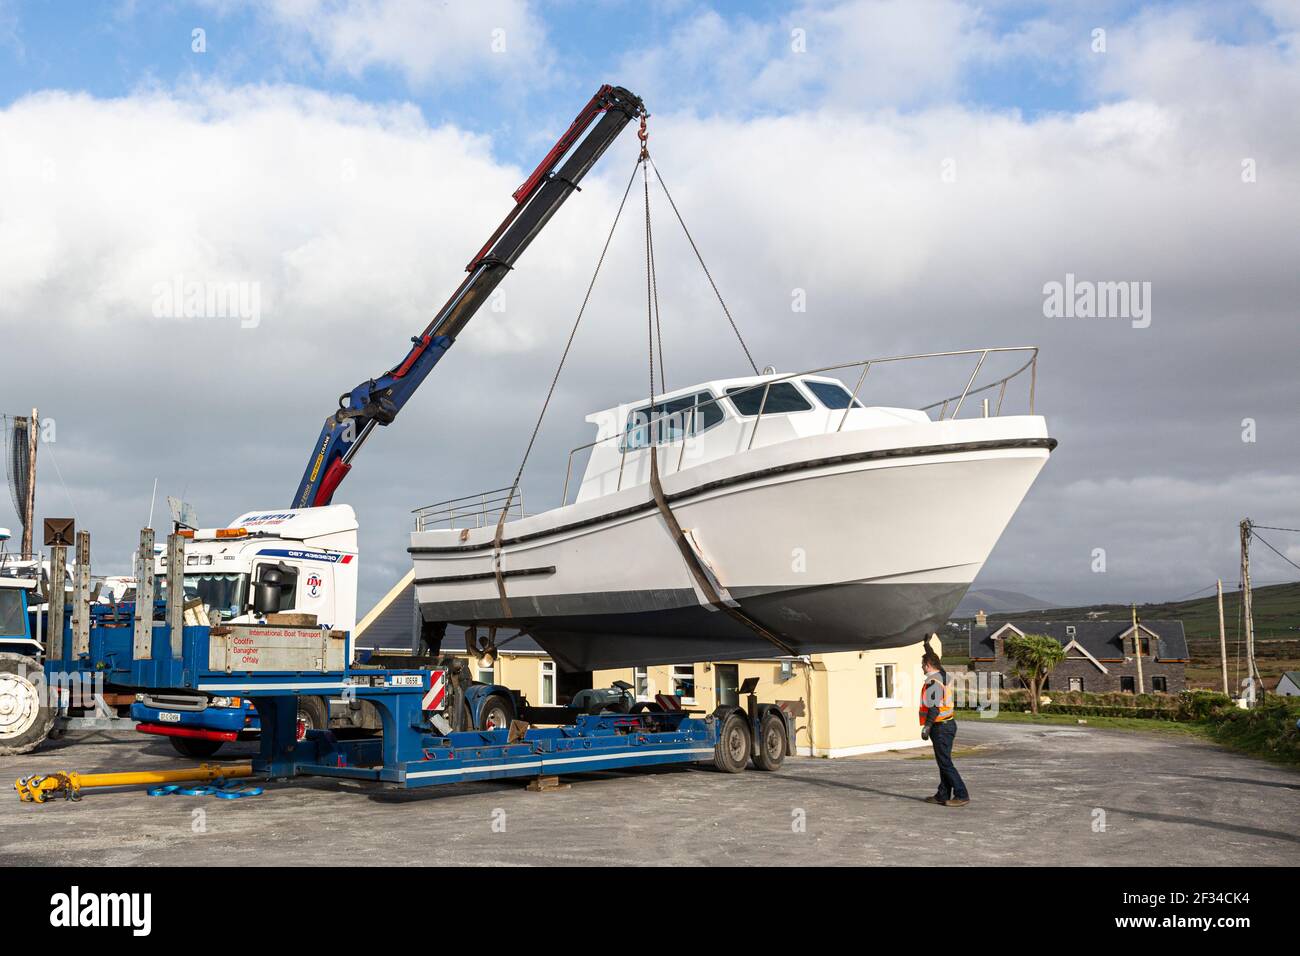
<point>998,601</point>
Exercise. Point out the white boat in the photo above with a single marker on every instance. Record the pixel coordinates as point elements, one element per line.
<point>808,523</point>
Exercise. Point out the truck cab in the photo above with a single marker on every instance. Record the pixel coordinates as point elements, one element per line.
<point>266,562</point>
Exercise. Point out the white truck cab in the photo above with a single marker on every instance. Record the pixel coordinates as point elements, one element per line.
<point>311,553</point>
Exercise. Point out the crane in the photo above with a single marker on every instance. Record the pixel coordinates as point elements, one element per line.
<point>377,401</point>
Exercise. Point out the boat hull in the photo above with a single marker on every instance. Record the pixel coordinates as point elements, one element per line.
<point>837,542</point>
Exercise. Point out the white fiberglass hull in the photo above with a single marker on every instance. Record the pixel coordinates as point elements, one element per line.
<point>843,541</point>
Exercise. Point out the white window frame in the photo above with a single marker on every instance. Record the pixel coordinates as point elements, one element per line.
<point>547,670</point>
<point>641,683</point>
<point>891,670</point>
<point>678,674</point>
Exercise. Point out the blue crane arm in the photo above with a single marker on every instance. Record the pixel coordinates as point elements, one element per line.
<point>377,401</point>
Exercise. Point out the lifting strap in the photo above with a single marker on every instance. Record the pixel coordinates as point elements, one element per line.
<point>703,579</point>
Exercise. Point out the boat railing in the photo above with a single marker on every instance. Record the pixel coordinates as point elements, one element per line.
<point>687,417</point>
<point>470,511</point>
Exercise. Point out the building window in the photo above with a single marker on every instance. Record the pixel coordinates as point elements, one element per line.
<point>1076,683</point>
<point>1070,630</point>
<point>684,682</point>
<point>642,681</point>
<point>548,683</point>
<point>1159,685</point>
<point>885,685</point>
<point>487,675</point>
<point>1126,685</point>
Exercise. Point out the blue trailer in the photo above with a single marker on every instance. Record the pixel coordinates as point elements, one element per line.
<point>148,649</point>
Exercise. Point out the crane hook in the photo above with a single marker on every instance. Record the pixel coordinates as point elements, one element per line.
<point>643,135</point>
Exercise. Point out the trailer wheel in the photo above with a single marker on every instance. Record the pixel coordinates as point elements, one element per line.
<point>196,748</point>
<point>771,743</point>
<point>495,713</point>
<point>313,714</point>
<point>25,714</point>
<point>731,752</point>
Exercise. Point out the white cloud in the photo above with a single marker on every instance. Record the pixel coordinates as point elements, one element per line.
<point>449,43</point>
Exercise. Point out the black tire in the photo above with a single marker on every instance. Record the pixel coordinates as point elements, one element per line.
<point>195,748</point>
<point>731,752</point>
<point>771,743</point>
<point>313,714</point>
<point>495,713</point>
<point>25,712</point>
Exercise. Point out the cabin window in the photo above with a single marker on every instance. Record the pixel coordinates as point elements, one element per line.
<point>831,394</point>
<point>672,420</point>
<point>781,397</point>
<point>13,622</point>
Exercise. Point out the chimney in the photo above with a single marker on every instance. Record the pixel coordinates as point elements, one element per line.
<point>981,619</point>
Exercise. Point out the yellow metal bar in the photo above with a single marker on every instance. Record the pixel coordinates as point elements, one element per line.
<point>39,788</point>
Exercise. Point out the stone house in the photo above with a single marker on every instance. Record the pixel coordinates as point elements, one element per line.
<point>1100,656</point>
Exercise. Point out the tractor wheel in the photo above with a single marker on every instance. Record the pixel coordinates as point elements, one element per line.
<point>25,712</point>
<point>313,714</point>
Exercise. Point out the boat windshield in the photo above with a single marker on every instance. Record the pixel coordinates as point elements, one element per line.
<point>831,394</point>
<point>13,623</point>
<point>225,593</point>
<point>781,397</point>
<point>672,420</point>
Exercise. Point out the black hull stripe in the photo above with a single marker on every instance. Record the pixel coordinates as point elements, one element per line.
<point>882,454</point>
<point>487,575</point>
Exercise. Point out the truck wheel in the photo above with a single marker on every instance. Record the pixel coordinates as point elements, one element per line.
<point>313,714</point>
<point>25,714</point>
<point>771,743</point>
<point>731,752</point>
<point>495,713</point>
<point>195,748</point>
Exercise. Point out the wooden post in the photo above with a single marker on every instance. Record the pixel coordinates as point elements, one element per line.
<point>1247,612</point>
<point>57,599</point>
<point>81,597</point>
<point>29,505</point>
<point>142,644</point>
<point>1223,641</point>
<point>176,592</point>
<point>1137,647</point>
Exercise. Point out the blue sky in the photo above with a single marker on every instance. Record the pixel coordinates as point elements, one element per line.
<point>113,48</point>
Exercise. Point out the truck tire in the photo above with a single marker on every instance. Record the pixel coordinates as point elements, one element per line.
<point>731,752</point>
<point>495,713</point>
<point>313,714</point>
<point>196,748</point>
<point>771,743</point>
<point>25,714</point>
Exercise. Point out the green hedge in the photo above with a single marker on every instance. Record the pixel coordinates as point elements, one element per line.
<point>1268,730</point>
<point>1188,706</point>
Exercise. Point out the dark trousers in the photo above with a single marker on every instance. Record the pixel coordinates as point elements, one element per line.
<point>950,782</point>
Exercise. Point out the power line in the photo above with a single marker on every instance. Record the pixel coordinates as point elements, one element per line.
<point>1264,541</point>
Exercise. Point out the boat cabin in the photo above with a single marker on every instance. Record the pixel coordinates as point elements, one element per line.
<point>717,419</point>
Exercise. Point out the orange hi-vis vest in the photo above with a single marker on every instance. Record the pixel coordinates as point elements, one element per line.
<point>944,702</point>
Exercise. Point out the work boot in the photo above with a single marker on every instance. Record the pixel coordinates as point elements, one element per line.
<point>956,802</point>
<point>934,800</point>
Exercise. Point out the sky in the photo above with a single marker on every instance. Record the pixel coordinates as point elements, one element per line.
<point>918,173</point>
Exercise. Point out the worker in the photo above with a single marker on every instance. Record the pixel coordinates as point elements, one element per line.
<point>939,726</point>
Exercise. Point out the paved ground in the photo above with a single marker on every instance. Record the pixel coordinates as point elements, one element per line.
<point>1038,794</point>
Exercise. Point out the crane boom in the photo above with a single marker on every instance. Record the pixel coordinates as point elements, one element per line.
<point>378,400</point>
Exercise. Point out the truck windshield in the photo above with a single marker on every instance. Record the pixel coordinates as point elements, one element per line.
<point>225,593</point>
<point>13,622</point>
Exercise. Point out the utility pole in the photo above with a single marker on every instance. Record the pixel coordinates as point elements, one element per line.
<point>29,505</point>
<point>1223,641</point>
<point>1137,648</point>
<point>1247,614</point>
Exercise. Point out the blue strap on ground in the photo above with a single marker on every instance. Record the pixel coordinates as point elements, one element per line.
<point>222,788</point>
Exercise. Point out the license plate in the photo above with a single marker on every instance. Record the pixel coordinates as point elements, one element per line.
<point>169,717</point>
<point>405,680</point>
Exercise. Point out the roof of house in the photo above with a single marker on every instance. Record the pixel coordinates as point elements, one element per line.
<point>1101,639</point>
<point>395,622</point>
<point>1292,676</point>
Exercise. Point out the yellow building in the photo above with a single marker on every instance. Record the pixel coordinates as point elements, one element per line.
<point>843,704</point>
